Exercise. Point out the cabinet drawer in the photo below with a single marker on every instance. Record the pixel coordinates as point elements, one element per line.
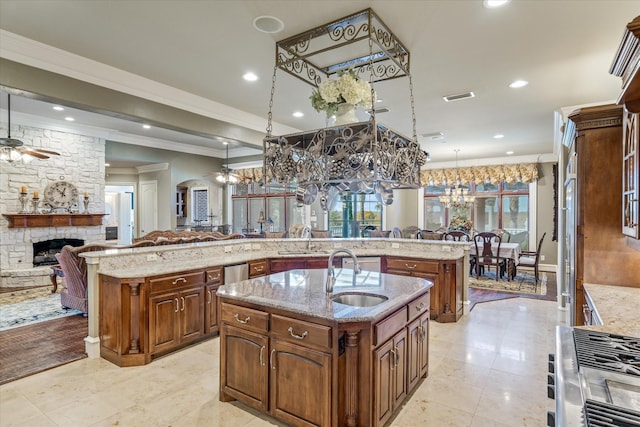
<point>174,282</point>
<point>244,317</point>
<point>412,265</point>
<point>213,275</point>
<point>258,268</point>
<point>301,332</point>
<point>390,326</point>
<point>419,305</point>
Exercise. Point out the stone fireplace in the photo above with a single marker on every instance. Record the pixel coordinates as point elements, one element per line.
<point>81,162</point>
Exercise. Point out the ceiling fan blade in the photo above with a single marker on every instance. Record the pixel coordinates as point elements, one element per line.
<point>33,153</point>
<point>41,150</point>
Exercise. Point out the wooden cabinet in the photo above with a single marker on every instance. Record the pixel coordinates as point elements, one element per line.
<point>390,380</point>
<point>213,279</point>
<point>181,202</point>
<point>446,303</point>
<point>417,351</point>
<point>258,267</point>
<point>626,65</point>
<point>275,363</point>
<point>596,250</point>
<point>277,265</point>
<point>176,317</point>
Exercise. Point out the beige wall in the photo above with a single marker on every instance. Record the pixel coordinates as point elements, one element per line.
<point>544,214</point>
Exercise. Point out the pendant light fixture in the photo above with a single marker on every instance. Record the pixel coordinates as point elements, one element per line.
<point>13,150</point>
<point>456,196</point>
<point>226,175</point>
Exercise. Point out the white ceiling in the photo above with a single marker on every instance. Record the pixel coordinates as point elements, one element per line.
<point>200,49</point>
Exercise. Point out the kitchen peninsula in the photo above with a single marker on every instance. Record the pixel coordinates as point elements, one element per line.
<point>307,356</point>
<point>149,301</point>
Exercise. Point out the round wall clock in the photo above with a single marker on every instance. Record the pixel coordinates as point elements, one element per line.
<point>61,194</point>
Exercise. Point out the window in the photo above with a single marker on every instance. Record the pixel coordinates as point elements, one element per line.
<point>503,205</point>
<point>365,209</point>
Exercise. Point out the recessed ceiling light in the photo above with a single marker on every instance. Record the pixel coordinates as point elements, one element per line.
<point>58,108</point>
<point>268,24</point>
<point>518,83</point>
<point>298,114</point>
<point>378,100</point>
<point>250,77</point>
<point>225,143</point>
<point>146,126</point>
<point>498,136</point>
<point>106,165</point>
<point>509,153</point>
<point>69,119</point>
<point>492,4</point>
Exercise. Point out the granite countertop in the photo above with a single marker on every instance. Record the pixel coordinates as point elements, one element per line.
<point>303,292</point>
<point>617,307</point>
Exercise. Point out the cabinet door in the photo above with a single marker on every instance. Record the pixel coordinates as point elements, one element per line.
<point>399,376</point>
<point>631,175</point>
<point>418,351</point>
<point>384,359</point>
<point>278,265</point>
<point>191,314</point>
<point>163,322</point>
<point>300,384</point>
<point>243,366</point>
<point>211,309</point>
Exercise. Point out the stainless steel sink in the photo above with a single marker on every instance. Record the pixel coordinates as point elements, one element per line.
<point>358,299</point>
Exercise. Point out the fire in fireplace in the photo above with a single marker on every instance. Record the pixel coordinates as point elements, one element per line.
<point>44,253</point>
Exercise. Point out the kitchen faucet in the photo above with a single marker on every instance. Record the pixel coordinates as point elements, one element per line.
<point>331,274</point>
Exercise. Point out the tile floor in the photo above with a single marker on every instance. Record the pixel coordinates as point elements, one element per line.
<point>488,369</point>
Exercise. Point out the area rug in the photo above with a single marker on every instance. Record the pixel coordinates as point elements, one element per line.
<point>523,283</point>
<point>30,306</point>
<point>545,290</point>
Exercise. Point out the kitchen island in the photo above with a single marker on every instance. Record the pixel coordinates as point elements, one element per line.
<point>289,349</point>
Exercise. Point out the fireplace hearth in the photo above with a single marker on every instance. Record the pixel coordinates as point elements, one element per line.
<point>44,253</point>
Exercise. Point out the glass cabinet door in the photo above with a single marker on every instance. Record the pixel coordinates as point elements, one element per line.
<point>239,215</point>
<point>275,214</point>
<point>255,207</point>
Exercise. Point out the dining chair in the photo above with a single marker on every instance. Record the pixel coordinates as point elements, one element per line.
<point>484,256</point>
<point>504,234</point>
<point>321,234</point>
<point>410,232</point>
<point>429,235</point>
<point>379,233</point>
<point>532,259</point>
<point>397,234</point>
<point>456,236</point>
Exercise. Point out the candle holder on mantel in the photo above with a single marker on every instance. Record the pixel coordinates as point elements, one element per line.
<point>23,203</point>
<point>34,203</point>
<point>86,204</point>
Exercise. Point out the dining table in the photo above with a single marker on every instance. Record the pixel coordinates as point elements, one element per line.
<point>509,251</point>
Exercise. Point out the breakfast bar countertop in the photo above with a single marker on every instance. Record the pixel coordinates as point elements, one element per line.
<point>617,307</point>
<point>303,291</point>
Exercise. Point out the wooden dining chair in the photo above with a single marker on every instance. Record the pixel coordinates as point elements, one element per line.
<point>485,256</point>
<point>456,236</point>
<point>504,234</point>
<point>532,259</point>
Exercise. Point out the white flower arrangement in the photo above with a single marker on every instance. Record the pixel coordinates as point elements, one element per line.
<point>347,88</point>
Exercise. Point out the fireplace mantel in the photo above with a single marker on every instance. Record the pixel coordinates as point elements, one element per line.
<point>53,220</point>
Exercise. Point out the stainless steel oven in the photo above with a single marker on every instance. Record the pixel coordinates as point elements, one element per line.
<point>594,378</point>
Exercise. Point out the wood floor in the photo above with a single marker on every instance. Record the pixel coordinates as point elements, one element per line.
<point>26,350</point>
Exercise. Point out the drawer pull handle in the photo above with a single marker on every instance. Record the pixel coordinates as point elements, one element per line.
<point>259,269</point>
<point>261,358</point>
<point>237,317</point>
<point>420,307</point>
<point>298,337</point>
<point>212,278</point>
<point>271,359</point>
<point>410,267</point>
<point>179,280</point>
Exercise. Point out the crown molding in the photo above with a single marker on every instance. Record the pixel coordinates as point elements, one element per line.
<point>156,167</point>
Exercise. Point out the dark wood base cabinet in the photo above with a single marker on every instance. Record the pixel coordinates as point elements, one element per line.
<point>144,317</point>
<point>315,372</point>
<point>446,295</point>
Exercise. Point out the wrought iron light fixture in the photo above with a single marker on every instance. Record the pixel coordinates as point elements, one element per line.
<point>13,150</point>
<point>226,175</point>
<point>362,157</point>
<point>457,196</point>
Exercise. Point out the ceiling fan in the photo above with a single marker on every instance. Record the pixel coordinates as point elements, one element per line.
<point>12,149</point>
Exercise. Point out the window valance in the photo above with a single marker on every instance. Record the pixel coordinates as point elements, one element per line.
<point>517,172</point>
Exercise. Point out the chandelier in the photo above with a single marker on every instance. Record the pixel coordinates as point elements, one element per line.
<point>14,151</point>
<point>361,157</point>
<point>226,175</point>
<point>457,196</point>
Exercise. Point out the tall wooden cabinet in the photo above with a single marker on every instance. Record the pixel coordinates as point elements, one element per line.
<point>597,252</point>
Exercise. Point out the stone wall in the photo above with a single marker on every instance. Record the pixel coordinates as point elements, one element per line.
<point>81,162</point>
